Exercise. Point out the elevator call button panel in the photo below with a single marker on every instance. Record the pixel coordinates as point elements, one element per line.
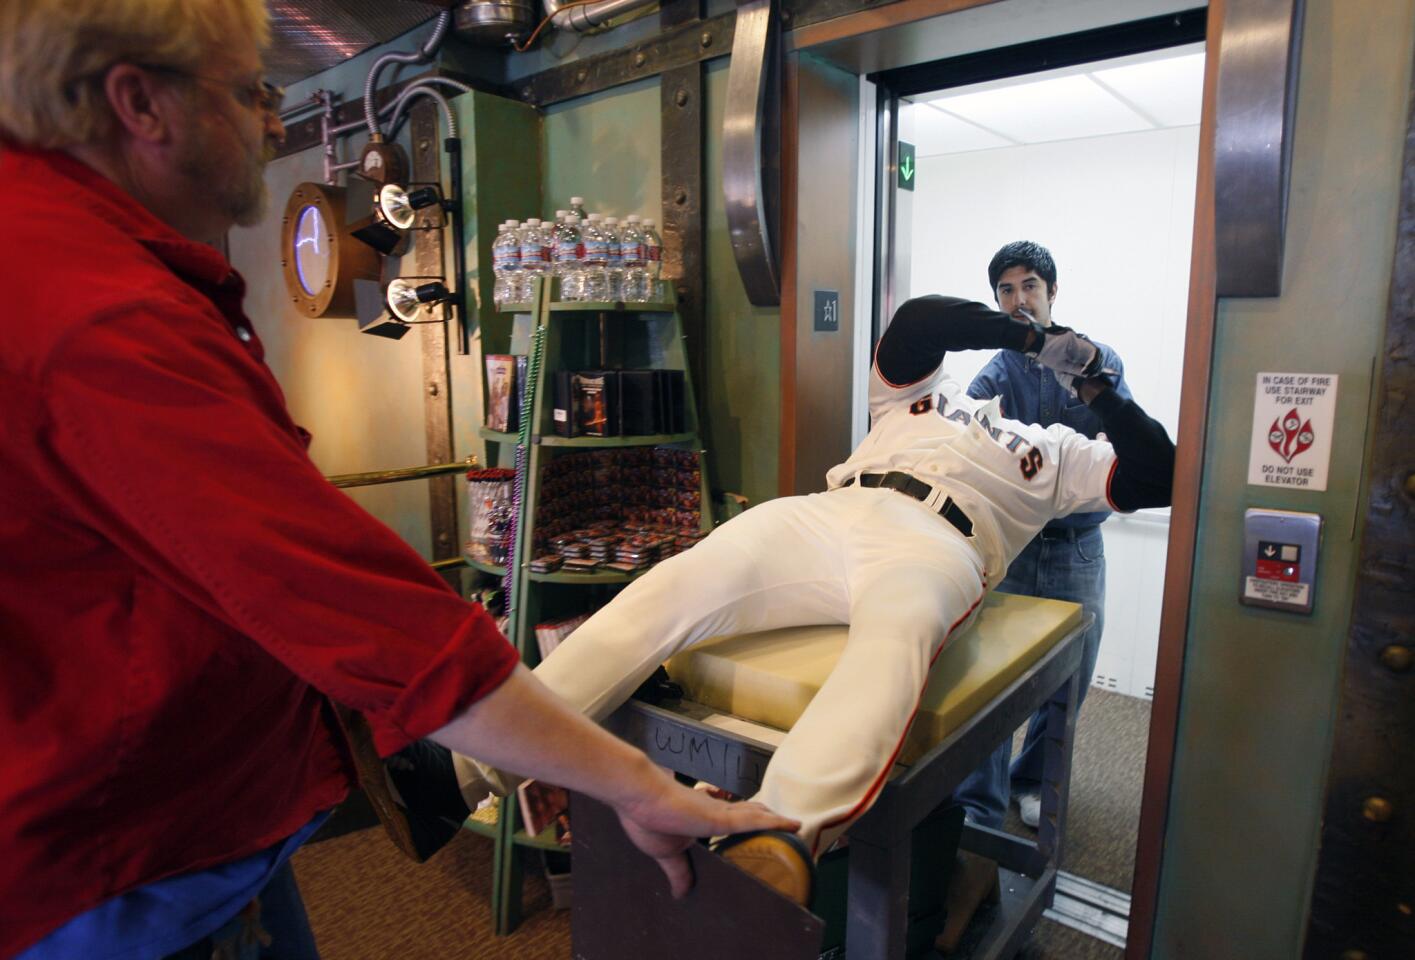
<point>1280,559</point>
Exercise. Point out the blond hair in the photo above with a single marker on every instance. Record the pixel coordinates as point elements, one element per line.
<point>55,54</point>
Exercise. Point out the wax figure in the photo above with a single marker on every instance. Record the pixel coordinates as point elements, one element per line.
<point>916,526</point>
<point>1064,561</point>
<point>183,597</point>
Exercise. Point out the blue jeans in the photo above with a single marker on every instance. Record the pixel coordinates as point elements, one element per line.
<point>282,914</point>
<point>1057,569</point>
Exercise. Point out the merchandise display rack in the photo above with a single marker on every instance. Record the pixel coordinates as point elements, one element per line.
<point>560,336</point>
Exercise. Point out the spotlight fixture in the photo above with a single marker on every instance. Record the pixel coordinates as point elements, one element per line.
<point>393,212</point>
<point>406,298</point>
<point>400,206</point>
<point>372,312</point>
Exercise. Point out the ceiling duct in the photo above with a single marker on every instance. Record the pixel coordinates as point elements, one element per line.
<point>494,22</point>
<point>586,16</point>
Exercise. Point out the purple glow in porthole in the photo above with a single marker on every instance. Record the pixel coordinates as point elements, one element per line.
<point>311,251</point>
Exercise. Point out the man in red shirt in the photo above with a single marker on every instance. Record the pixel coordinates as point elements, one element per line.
<point>182,595</point>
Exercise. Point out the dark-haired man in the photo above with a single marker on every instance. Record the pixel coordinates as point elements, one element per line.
<point>1065,561</point>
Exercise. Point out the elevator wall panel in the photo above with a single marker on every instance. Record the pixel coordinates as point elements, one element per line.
<point>1260,687</point>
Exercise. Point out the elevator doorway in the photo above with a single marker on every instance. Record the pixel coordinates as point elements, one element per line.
<point>1095,160</point>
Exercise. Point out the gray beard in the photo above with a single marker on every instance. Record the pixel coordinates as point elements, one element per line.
<point>240,195</point>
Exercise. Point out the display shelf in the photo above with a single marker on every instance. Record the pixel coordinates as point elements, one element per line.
<point>649,440</point>
<point>486,828</point>
<point>490,568</point>
<point>611,576</point>
<point>609,306</point>
<point>623,336</point>
<point>545,840</point>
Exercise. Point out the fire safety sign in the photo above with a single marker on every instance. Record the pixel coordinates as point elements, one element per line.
<point>1293,417</point>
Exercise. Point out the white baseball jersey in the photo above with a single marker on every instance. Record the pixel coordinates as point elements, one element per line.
<point>1011,478</point>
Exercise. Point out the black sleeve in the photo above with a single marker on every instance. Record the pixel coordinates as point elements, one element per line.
<point>925,328</point>
<point>1144,470</point>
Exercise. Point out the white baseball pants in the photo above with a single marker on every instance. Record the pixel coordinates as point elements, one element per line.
<point>901,576</point>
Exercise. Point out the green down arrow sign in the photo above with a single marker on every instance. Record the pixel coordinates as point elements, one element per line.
<point>906,166</point>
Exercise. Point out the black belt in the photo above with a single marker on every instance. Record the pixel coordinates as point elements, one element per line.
<point>1066,533</point>
<point>912,486</point>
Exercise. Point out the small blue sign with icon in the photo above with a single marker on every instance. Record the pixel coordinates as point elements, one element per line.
<point>827,311</point>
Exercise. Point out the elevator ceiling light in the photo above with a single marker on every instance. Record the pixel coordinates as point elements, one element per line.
<point>406,298</point>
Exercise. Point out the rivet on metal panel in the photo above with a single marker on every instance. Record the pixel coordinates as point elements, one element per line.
<point>640,59</point>
<point>707,39</point>
<point>1397,658</point>
<point>680,196</point>
<point>1377,809</point>
<point>681,97</point>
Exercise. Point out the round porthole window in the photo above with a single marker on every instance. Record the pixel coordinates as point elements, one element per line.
<point>311,250</point>
<point>319,261</point>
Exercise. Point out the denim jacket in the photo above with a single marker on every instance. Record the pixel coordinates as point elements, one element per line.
<point>1030,393</point>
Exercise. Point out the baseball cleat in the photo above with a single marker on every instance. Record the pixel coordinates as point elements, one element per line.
<point>776,858</point>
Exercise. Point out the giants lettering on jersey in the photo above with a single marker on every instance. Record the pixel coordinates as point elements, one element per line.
<point>1031,460</point>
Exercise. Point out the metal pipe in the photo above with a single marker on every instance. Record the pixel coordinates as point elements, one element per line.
<point>326,120</point>
<point>424,90</point>
<point>587,16</point>
<point>397,476</point>
<point>423,55</point>
<point>449,564</point>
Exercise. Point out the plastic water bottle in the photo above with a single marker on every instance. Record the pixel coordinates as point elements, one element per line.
<point>653,250</point>
<point>614,259</point>
<point>566,246</point>
<point>506,263</point>
<point>577,207</point>
<point>596,260</point>
<point>535,256</point>
<point>635,256</point>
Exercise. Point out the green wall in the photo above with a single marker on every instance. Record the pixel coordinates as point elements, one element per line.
<point>743,399</point>
<point>605,147</point>
<point>1260,687</point>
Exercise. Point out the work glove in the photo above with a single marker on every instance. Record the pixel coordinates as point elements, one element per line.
<point>1071,356</point>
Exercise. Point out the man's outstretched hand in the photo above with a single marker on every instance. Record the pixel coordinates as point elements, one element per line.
<point>664,822</point>
<point>521,726</point>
